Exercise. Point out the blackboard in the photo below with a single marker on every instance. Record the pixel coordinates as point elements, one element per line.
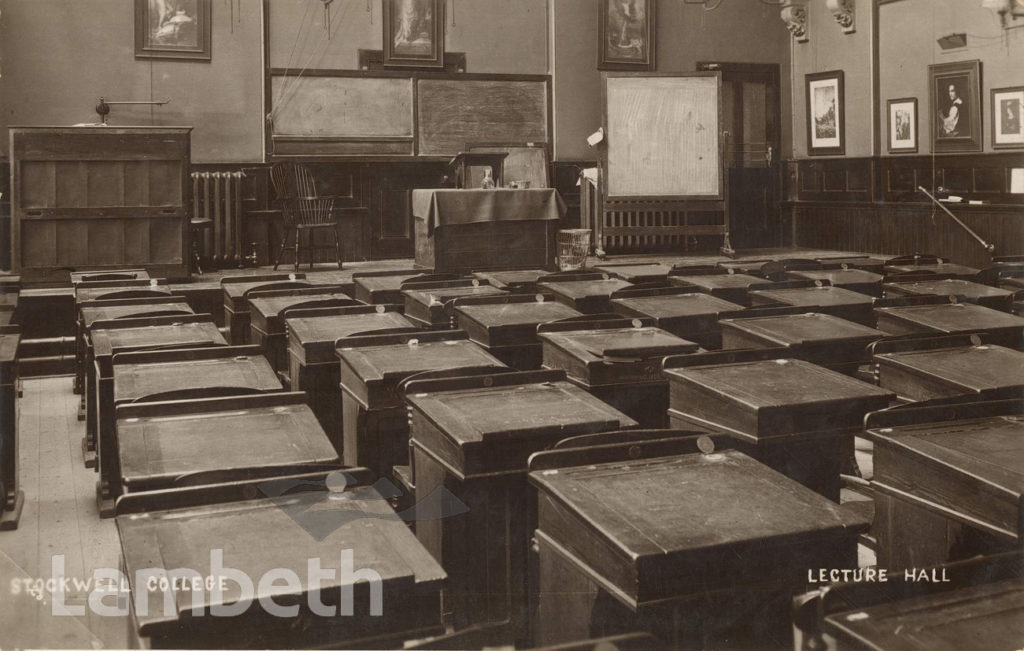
<point>662,136</point>
<point>452,113</point>
<point>349,107</point>
<point>336,112</point>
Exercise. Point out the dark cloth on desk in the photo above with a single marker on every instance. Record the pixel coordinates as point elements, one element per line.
<point>454,207</point>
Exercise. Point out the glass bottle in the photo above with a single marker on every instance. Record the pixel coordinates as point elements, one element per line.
<point>488,182</point>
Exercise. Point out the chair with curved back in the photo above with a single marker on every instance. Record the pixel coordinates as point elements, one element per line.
<point>304,211</point>
<point>279,173</point>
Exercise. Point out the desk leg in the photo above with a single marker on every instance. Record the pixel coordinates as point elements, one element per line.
<point>89,398</point>
<point>13,497</point>
<point>108,487</point>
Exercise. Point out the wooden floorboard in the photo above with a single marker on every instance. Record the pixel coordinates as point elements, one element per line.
<point>59,519</point>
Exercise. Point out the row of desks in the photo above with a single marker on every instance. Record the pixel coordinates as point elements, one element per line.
<point>472,436</point>
<point>187,422</point>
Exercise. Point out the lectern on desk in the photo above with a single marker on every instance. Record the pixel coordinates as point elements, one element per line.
<point>459,167</point>
<point>99,198</point>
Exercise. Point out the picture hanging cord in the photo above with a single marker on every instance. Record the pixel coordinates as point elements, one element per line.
<point>235,8</point>
<point>289,86</point>
<point>286,80</point>
<point>327,17</point>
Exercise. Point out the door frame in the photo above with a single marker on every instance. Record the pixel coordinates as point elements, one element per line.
<point>771,73</point>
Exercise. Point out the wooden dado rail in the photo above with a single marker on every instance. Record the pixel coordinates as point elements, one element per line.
<point>872,204</point>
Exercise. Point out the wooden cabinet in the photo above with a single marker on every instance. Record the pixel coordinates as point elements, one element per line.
<point>99,197</point>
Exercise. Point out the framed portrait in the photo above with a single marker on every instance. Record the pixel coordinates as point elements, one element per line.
<point>626,35</point>
<point>173,29</point>
<point>956,106</point>
<point>1007,113</point>
<point>902,125</point>
<point>413,33</point>
<point>826,114</point>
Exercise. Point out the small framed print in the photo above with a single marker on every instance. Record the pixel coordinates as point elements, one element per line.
<point>1007,114</point>
<point>902,125</point>
<point>413,33</point>
<point>173,29</point>
<point>956,106</point>
<point>825,114</point>
<point>626,31</point>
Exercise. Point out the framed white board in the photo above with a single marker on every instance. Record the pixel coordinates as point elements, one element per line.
<point>662,136</point>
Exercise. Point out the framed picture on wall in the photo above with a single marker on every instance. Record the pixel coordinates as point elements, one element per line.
<point>1007,113</point>
<point>173,29</point>
<point>956,106</point>
<point>626,35</point>
<point>902,125</point>
<point>826,114</point>
<point>414,33</point>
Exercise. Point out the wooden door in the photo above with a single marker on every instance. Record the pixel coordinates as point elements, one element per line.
<point>751,116</point>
